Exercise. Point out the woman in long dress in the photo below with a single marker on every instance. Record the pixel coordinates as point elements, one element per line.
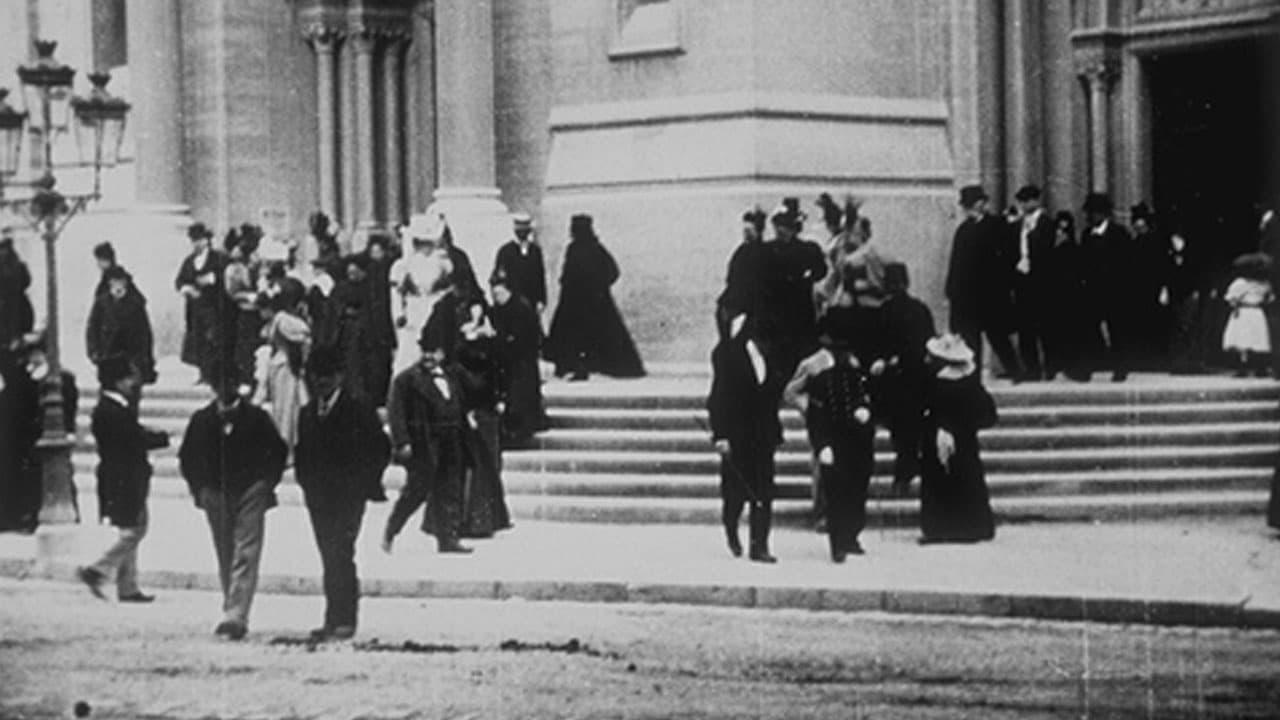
<point>519,340</point>
<point>587,333</point>
<point>955,505</point>
<point>281,383</point>
<point>417,280</point>
<point>479,373</point>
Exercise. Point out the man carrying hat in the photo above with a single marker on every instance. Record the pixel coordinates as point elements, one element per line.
<point>978,285</point>
<point>520,262</point>
<point>428,429</point>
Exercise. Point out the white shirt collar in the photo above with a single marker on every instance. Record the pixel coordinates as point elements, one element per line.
<point>115,397</point>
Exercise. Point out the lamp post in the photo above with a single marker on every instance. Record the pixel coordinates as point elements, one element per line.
<point>46,86</point>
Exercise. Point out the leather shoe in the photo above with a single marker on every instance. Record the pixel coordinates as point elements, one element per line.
<point>138,597</point>
<point>855,548</point>
<point>763,556</point>
<point>735,545</point>
<point>93,580</point>
<point>837,556</point>
<point>231,629</point>
<point>453,546</point>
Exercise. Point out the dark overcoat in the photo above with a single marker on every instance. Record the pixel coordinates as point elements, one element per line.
<point>121,328</point>
<point>526,273</point>
<point>341,457</point>
<point>124,473</point>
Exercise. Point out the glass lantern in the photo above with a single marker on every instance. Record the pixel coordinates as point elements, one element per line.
<point>46,92</point>
<point>99,123</point>
<point>11,123</point>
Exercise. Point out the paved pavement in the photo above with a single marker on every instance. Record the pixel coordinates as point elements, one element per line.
<point>1210,572</point>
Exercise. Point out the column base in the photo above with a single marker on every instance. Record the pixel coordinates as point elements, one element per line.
<point>480,222</point>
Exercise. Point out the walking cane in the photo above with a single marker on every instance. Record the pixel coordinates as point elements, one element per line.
<point>737,473</point>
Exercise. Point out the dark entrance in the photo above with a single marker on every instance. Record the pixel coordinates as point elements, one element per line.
<point>1215,157</point>
<point>1215,141</point>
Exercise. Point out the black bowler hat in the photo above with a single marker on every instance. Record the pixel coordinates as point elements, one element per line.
<point>1027,192</point>
<point>199,231</point>
<point>1098,202</point>
<point>970,195</point>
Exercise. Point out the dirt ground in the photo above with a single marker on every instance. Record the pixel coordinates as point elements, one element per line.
<point>515,659</point>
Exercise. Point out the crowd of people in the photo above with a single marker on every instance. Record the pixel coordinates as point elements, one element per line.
<point>829,326</point>
<point>335,363</point>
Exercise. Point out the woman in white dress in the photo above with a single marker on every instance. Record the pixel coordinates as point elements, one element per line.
<point>417,280</point>
<point>281,383</point>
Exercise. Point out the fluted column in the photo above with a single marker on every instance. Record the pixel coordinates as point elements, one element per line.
<point>155,69</point>
<point>393,211</point>
<point>325,42</point>
<point>1098,78</point>
<point>420,97</point>
<point>1022,78</point>
<point>464,75</point>
<point>366,191</point>
<point>990,97</point>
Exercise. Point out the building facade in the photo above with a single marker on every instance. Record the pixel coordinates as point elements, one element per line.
<point>661,118</point>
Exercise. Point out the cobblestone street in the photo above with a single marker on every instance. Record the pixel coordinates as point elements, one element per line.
<point>484,659</point>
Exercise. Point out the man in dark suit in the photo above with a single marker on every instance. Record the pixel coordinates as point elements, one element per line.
<point>427,434</point>
<point>1116,256</point>
<point>908,325</point>
<point>743,405</point>
<point>341,454</point>
<point>232,457</point>
<point>119,324</point>
<point>520,260</point>
<point>978,281</point>
<point>791,267</point>
<point>124,477</point>
<point>1032,239</point>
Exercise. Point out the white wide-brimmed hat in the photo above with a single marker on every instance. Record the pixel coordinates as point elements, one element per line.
<point>423,227</point>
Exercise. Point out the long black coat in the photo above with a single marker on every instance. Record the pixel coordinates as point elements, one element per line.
<point>341,456</point>
<point>979,276</point>
<point>519,341</point>
<point>743,410</point>
<point>587,328</point>
<point>206,313</point>
<point>955,504</point>
<point>787,274</point>
<point>526,272</point>
<point>17,316</point>
<point>121,328</point>
<point>432,425</point>
<point>20,428</point>
<point>124,474</point>
<point>744,281</point>
<point>908,326</point>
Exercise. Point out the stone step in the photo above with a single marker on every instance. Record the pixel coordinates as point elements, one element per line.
<point>898,513</point>
<point>798,463</point>
<point>796,487</point>
<point>655,395</point>
<point>1046,416</point>
<point>999,438</point>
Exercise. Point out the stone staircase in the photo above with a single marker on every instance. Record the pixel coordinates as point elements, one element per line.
<point>638,451</point>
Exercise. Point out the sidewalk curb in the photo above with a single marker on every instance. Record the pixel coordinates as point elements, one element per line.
<point>1099,609</point>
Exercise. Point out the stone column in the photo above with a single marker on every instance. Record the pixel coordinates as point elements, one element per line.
<point>155,70</point>
<point>468,196</point>
<point>1022,76</point>
<point>420,99</point>
<point>325,42</point>
<point>991,101</point>
<point>365,215</point>
<point>393,211</point>
<point>347,133</point>
<point>1098,78</point>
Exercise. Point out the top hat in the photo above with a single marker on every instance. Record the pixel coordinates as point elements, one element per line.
<point>1027,192</point>
<point>1098,202</point>
<point>521,221</point>
<point>971,194</point>
<point>199,231</point>
<point>1142,211</point>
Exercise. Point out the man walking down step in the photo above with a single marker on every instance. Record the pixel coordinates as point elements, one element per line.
<point>232,457</point>
<point>743,405</point>
<point>124,477</point>
<point>341,454</point>
<point>427,432</point>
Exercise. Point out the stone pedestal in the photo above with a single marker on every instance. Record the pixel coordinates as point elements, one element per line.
<point>480,222</point>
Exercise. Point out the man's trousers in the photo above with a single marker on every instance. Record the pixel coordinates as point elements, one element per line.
<point>845,484</point>
<point>122,557</point>
<point>336,524</point>
<point>747,476</point>
<point>237,524</point>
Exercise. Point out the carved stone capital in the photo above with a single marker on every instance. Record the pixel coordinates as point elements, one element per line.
<point>1098,72</point>
<point>323,37</point>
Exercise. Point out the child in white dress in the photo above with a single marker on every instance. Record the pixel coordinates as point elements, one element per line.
<point>1247,296</point>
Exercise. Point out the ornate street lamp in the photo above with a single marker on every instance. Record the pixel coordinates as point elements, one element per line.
<point>46,89</point>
